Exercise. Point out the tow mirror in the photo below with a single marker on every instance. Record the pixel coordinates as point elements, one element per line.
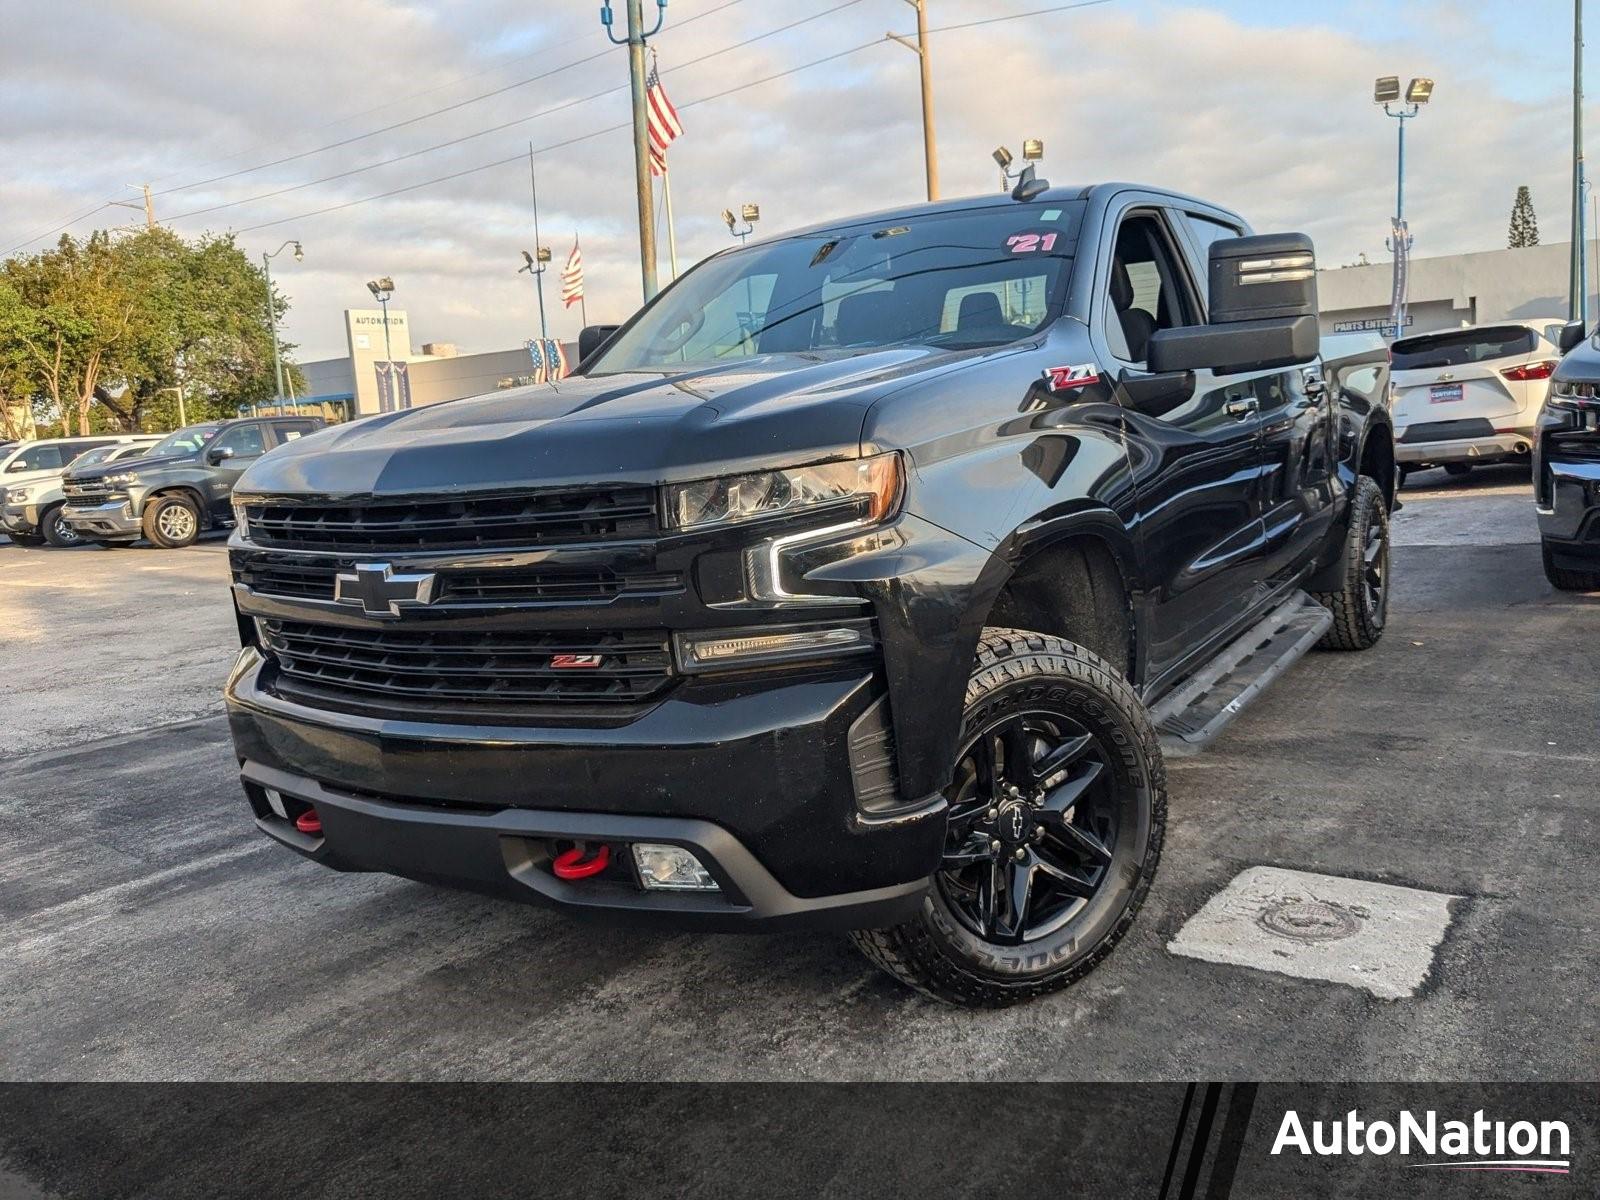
<point>1571,335</point>
<point>592,339</point>
<point>1263,309</point>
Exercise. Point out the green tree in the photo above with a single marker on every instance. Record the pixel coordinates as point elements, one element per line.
<point>1524,225</point>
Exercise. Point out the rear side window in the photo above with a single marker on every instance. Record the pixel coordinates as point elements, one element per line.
<point>36,458</point>
<point>1461,347</point>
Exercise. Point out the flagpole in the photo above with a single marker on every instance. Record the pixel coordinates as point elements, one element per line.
<point>583,301</point>
<point>672,232</point>
<point>538,267</point>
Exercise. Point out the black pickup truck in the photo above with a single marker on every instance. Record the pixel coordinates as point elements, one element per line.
<point>861,580</point>
<point>1566,465</point>
<point>182,486</point>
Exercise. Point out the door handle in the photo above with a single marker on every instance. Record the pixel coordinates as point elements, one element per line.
<point>1241,408</point>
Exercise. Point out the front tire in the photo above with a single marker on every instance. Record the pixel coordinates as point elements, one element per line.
<point>56,531</point>
<point>1058,809</point>
<point>171,522</point>
<point>1361,605</point>
<point>1564,579</point>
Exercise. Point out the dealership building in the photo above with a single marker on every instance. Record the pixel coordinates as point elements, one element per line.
<point>349,387</point>
<point>1529,284</point>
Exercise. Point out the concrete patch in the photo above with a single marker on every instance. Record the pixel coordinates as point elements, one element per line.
<point>1368,935</point>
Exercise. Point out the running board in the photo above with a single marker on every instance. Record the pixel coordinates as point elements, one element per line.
<point>1189,718</point>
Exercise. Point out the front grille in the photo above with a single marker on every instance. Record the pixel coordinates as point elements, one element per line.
<point>515,586</point>
<point>471,667</point>
<point>85,494</point>
<point>526,519</point>
<point>1449,431</point>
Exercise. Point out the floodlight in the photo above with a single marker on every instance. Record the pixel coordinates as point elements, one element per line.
<point>727,217</point>
<point>1387,88</point>
<point>527,258</point>
<point>1003,157</point>
<point>751,213</point>
<point>1419,91</point>
<point>299,254</point>
<point>544,254</point>
<point>1033,149</point>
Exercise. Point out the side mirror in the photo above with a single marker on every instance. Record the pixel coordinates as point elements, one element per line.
<point>219,455</point>
<point>1571,335</point>
<point>592,339</point>
<point>1263,309</point>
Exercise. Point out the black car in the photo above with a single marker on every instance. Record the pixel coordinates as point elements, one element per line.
<point>1566,467</point>
<point>181,487</point>
<point>858,581</point>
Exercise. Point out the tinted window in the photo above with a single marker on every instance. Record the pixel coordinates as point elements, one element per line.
<point>961,279</point>
<point>36,458</point>
<point>1146,291</point>
<point>185,441</point>
<point>1206,230</point>
<point>244,440</point>
<point>1461,346</point>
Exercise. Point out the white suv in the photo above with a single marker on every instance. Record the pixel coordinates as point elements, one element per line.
<point>1470,396</point>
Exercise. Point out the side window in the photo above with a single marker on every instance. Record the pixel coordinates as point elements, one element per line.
<point>245,441</point>
<point>1207,230</point>
<point>1147,291</point>
<point>291,430</point>
<point>36,458</point>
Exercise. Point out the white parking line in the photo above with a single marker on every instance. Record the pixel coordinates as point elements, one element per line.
<point>1367,935</point>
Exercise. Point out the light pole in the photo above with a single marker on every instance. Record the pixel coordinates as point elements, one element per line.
<point>382,291</point>
<point>930,150</point>
<point>641,128</point>
<point>1578,288</point>
<point>536,268</point>
<point>1386,91</point>
<point>272,309</point>
<point>749,213</point>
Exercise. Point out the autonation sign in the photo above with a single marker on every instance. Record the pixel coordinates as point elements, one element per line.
<point>1476,1145</point>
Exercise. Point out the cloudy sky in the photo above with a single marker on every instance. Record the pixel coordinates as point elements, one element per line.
<point>317,120</point>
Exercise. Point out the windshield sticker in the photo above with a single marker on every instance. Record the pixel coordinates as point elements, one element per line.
<point>1051,214</point>
<point>1032,243</point>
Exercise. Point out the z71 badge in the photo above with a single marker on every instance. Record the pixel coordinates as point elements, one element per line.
<point>1070,379</point>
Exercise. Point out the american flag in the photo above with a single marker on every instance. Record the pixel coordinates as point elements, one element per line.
<point>572,277</point>
<point>549,359</point>
<point>665,128</point>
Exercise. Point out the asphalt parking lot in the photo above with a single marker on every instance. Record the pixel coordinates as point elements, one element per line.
<point>148,932</point>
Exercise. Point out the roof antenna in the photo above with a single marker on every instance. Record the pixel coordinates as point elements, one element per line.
<point>1029,185</point>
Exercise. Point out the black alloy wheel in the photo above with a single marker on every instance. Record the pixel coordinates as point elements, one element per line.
<point>1032,827</point>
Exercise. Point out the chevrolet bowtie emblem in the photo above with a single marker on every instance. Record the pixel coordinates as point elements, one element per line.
<point>380,592</point>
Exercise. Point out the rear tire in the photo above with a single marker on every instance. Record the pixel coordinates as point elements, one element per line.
<point>56,531</point>
<point>1565,580</point>
<point>171,522</point>
<point>1079,814</point>
<point>1360,607</point>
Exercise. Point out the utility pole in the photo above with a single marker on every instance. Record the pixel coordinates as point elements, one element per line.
<point>930,149</point>
<point>1578,288</point>
<point>635,42</point>
<point>541,256</point>
<point>149,208</point>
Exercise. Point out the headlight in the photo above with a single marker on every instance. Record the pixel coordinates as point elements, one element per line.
<point>18,495</point>
<point>867,489</point>
<point>122,479</point>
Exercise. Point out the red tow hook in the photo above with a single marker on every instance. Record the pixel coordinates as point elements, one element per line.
<point>570,864</point>
<point>309,823</point>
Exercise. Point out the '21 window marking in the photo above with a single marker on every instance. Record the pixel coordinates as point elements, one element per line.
<point>1031,243</point>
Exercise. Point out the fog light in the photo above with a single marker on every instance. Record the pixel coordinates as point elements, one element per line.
<point>703,651</point>
<point>671,869</point>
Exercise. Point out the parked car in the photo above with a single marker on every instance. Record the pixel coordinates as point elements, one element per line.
<point>180,488</point>
<point>30,485</point>
<point>1468,397</point>
<point>1566,468</point>
<point>850,584</point>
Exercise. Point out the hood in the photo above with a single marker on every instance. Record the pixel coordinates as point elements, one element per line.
<point>1581,363</point>
<point>101,470</point>
<point>635,428</point>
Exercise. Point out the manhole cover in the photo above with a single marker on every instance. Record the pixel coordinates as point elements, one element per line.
<point>1308,920</point>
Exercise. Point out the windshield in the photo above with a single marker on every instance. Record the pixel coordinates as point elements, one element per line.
<point>185,441</point>
<point>958,280</point>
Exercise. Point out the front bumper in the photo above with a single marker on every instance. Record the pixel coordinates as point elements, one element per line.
<point>755,780</point>
<point>1501,446</point>
<point>1569,512</point>
<point>20,518</point>
<point>114,520</point>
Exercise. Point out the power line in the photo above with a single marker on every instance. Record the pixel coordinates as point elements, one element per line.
<point>467,137</point>
<point>372,133</point>
<point>583,137</point>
